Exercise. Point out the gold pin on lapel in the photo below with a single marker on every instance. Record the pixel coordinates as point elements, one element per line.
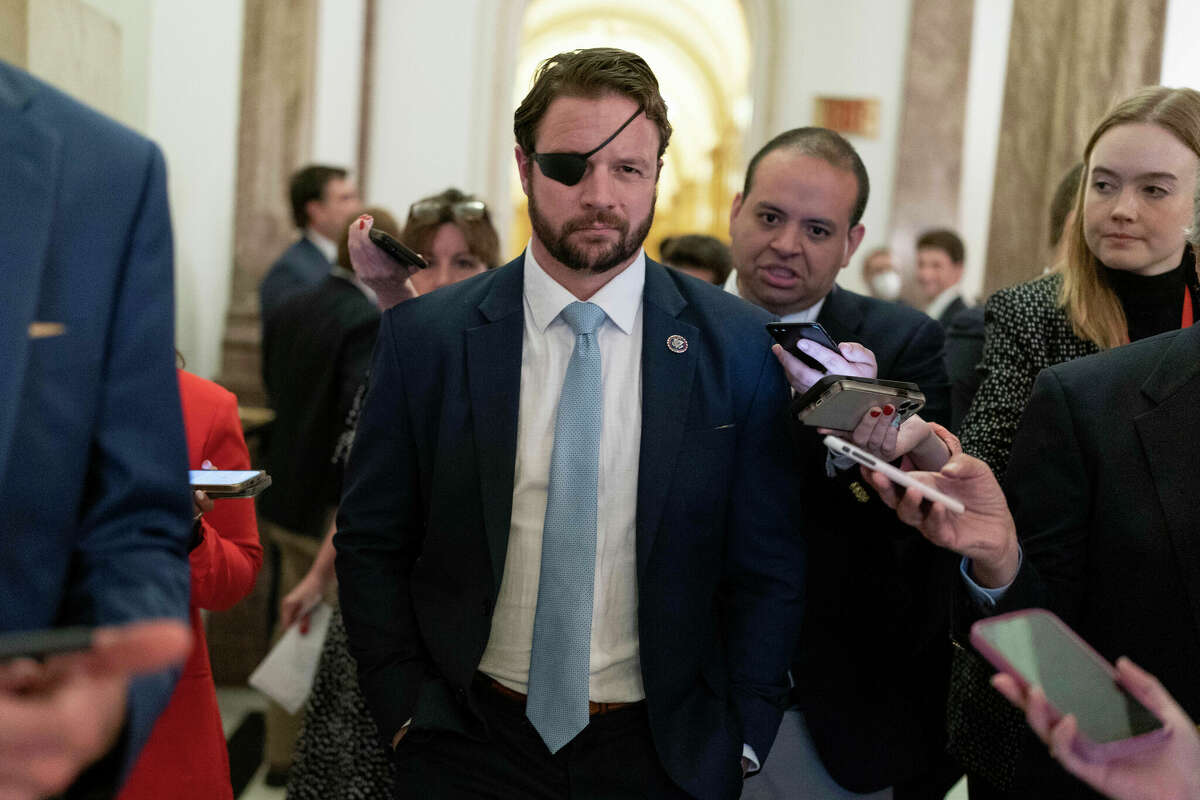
<point>860,494</point>
<point>44,330</point>
<point>676,343</point>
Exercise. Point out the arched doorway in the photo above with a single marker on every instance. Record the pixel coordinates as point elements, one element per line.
<point>700,52</point>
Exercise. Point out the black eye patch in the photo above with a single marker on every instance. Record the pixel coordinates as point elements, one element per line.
<point>568,168</point>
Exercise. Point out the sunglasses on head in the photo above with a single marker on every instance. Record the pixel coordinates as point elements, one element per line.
<point>468,210</point>
<point>568,168</point>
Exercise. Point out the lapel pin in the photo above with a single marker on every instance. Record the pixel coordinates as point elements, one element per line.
<point>860,494</point>
<point>676,343</point>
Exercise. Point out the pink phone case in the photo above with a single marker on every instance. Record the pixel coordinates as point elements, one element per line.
<point>1094,752</point>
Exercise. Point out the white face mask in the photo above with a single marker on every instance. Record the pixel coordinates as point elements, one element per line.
<point>886,285</point>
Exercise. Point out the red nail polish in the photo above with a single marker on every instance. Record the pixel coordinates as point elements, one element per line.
<point>889,409</point>
<point>874,412</point>
<point>361,223</point>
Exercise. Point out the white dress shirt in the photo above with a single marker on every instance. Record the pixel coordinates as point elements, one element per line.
<point>943,300</point>
<point>547,343</point>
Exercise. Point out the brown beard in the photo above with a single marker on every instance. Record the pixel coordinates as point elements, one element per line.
<point>558,245</point>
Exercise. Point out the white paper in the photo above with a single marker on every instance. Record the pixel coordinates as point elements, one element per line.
<point>286,674</point>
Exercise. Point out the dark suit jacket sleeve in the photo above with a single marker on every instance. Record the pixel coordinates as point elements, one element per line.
<point>765,562</point>
<point>921,362</point>
<point>130,559</point>
<point>225,564</point>
<point>1048,486</point>
<point>380,534</point>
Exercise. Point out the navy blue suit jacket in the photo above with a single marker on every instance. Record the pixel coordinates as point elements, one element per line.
<point>424,522</point>
<point>302,266</point>
<point>94,504</point>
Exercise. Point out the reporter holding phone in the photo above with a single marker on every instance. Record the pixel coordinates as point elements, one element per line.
<point>186,756</point>
<point>794,227</point>
<point>1102,528</point>
<point>339,753</point>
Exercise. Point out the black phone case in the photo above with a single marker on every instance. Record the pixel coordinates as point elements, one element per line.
<point>396,249</point>
<point>788,334</point>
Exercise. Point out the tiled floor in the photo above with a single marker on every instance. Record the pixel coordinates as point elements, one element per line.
<point>235,704</point>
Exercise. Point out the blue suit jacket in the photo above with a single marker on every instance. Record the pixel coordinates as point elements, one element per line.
<point>302,266</point>
<point>424,522</point>
<point>94,504</point>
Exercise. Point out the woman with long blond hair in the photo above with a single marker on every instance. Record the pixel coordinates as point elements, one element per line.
<point>1128,274</point>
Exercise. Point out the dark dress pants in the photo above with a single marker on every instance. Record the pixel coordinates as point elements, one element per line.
<point>613,758</point>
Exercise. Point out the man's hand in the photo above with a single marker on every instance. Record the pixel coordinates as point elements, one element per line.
<point>984,533</point>
<point>852,359</point>
<point>58,717</point>
<point>1170,771</point>
<point>386,276</point>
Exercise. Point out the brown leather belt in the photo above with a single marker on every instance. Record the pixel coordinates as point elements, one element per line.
<point>594,708</point>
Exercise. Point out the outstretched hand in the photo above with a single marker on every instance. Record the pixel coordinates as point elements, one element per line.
<point>851,359</point>
<point>58,717</point>
<point>385,276</point>
<point>984,533</point>
<point>1171,770</point>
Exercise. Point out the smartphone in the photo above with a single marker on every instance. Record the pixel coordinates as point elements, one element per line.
<point>396,249</point>
<point>227,484</point>
<point>844,448</point>
<point>1038,649</point>
<point>788,334</point>
<point>39,644</point>
<point>838,402</point>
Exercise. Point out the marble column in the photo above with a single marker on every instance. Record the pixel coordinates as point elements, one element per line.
<point>274,139</point>
<point>1068,62</point>
<point>929,167</point>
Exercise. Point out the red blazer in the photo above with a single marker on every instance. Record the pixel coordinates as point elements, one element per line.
<point>186,756</point>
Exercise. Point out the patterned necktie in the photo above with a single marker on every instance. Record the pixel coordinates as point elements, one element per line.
<point>559,664</point>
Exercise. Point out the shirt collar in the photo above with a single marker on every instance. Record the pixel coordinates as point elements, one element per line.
<point>943,300</point>
<point>620,298</point>
<point>328,247</point>
<point>807,315</point>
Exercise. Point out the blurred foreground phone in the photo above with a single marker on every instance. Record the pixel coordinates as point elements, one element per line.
<point>39,644</point>
<point>1038,649</point>
<point>225,484</point>
<point>843,448</point>
<point>788,334</point>
<point>838,402</point>
<point>396,249</point>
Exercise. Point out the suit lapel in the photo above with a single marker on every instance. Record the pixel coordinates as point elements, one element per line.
<point>666,392</point>
<point>1171,451</point>
<point>28,175</point>
<point>494,383</point>
<point>841,316</point>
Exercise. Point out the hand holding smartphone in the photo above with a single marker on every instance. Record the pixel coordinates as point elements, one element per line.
<point>1036,648</point>
<point>842,447</point>
<point>396,249</point>
<point>227,484</point>
<point>789,334</point>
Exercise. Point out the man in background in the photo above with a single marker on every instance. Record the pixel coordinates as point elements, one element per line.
<point>859,722</point>
<point>322,199</point>
<point>940,256</point>
<point>95,514</point>
<point>703,257</point>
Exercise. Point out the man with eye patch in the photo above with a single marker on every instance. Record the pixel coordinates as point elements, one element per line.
<point>878,595</point>
<point>568,550</point>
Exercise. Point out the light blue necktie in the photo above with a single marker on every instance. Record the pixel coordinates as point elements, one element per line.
<point>559,664</point>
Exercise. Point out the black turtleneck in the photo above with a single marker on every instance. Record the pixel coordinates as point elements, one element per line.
<point>1154,303</point>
